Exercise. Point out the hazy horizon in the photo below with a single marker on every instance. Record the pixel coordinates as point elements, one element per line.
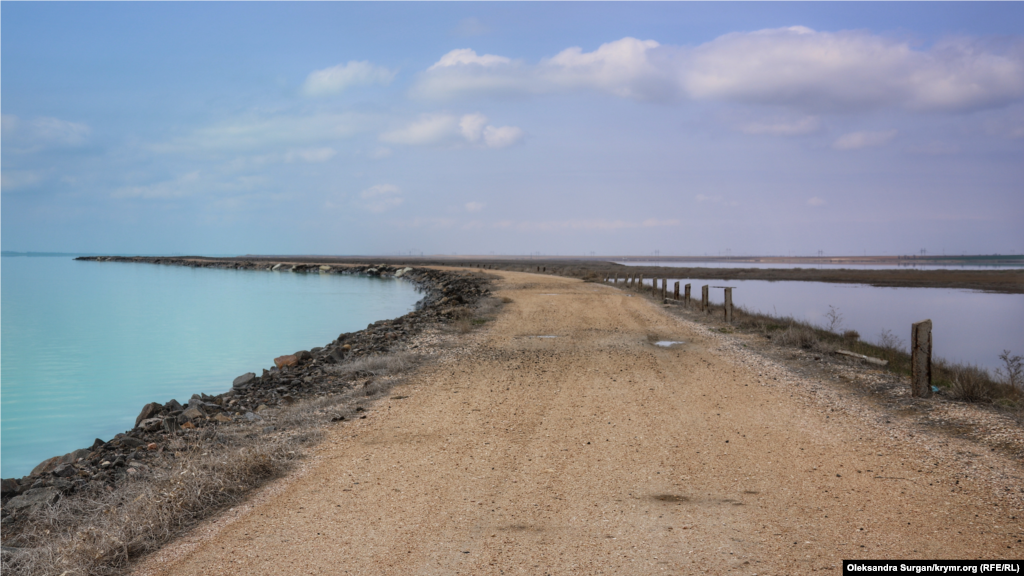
<point>513,128</point>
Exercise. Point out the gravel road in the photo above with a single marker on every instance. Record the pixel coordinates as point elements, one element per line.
<point>564,440</point>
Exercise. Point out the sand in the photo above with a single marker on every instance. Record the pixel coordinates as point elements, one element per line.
<point>598,452</point>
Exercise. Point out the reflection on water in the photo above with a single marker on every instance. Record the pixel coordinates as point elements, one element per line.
<point>969,326</point>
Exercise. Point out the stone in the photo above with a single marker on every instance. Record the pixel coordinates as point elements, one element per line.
<point>277,267</point>
<point>130,442</point>
<point>64,471</point>
<point>244,380</point>
<point>173,405</point>
<point>262,407</point>
<point>188,426</point>
<point>33,498</point>
<point>46,466</point>
<point>9,486</point>
<point>171,425</point>
<point>191,413</point>
<point>221,418</point>
<point>252,417</point>
<point>151,446</point>
<point>287,360</point>
<point>151,424</point>
<point>148,411</point>
<point>325,268</point>
<point>302,355</point>
<point>97,443</point>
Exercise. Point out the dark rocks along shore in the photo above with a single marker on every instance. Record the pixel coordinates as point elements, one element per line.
<point>300,375</point>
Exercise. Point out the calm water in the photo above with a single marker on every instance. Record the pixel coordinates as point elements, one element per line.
<point>86,344</point>
<point>968,326</point>
<point>706,264</point>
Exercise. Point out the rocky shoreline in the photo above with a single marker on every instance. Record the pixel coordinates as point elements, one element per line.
<point>305,374</point>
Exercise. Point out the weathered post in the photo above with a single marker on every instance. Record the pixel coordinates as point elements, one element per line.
<point>640,282</point>
<point>664,287</point>
<point>654,287</point>
<point>704,305</point>
<point>921,359</point>
<point>616,279</point>
<point>728,305</point>
<point>686,295</point>
<point>676,295</point>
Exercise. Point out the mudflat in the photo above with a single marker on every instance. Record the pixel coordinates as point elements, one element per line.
<point>566,440</point>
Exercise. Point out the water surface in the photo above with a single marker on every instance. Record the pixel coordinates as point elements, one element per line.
<point>86,344</point>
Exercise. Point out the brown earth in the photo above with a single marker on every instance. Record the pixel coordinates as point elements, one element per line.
<point>598,452</point>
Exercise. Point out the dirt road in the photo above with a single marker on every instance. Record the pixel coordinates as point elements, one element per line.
<point>568,442</point>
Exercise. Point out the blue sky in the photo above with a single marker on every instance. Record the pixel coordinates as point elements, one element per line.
<point>511,128</point>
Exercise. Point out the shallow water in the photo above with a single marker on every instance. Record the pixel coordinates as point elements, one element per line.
<point>86,344</point>
<point>772,265</point>
<point>968,326</point>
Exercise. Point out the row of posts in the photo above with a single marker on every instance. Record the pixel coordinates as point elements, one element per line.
<point>636,281</point>
<point>920,332</point>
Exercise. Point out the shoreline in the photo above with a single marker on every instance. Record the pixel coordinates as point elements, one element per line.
<point>297,377</point>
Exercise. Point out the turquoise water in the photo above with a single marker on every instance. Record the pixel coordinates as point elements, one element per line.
<point>85,344</point>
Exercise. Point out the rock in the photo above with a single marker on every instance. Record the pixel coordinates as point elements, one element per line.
<point>303,355</point>
<point>346,347</point>
<point>130,442</point>
<point>325,268</point>
<point>252,417</point>
<point>173,405</point>
<point>262,407</point>
<point>9,487</point>
<point>64,471</point>
<point>151,446</point>
<point>191,413</point>
<point>35,497</point>
<point>151,424</point>
<point>221,418</point>
<point>243,381</point>
<point>45,467</point>
<point>267,429</point>
<point>287,360</point>
<point>188,426</point>
<point>171,425</point>
<point>148,411</point>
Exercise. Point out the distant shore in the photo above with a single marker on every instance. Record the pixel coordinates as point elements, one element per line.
<point>1003,281</point>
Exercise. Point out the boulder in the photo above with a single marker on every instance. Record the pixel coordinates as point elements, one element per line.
<point>287,360</point>
<point>277,267</point>
<point>35,497</point>
<point>325,268</point>
<point>64,471</point>
<point>151,424</point>
<point>173,405</point>
<point>148,411</point>
<point>171,425</point>
<point>9,487</point>
<point>130,442</point>
<point>46,466</point>
<point>244,380</point>
<point>221,418</point>
<point>303,355</point>
<point>191,413</point>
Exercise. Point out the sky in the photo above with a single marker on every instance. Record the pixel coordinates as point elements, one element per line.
<point>512,128</point>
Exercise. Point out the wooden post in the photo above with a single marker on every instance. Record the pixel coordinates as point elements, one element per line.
<point>686,295</point>
<point>640,282</point>
<point>704,304</point>
<point>921,359</point>
<point>654,287</point>
<point>664,288</point>
<point>676,295</point>
<point>728,305</point>
<point>616,279</point>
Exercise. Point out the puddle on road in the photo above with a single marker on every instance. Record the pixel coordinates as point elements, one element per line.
<point>668,343</point>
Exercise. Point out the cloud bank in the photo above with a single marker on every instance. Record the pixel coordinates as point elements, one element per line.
<point>447,128</point>
<point>795,67</point>
<point>337,79</point>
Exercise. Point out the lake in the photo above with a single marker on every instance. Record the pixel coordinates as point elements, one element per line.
<point>86,344</point>
<point>968,326</point>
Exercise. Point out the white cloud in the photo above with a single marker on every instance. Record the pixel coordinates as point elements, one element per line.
<point>310,155</point>
<point>337,79</point>
<point>31,135</point>
<point>14,179</point>
<point>471,27</point>
<point>256,133</point>
<point>858,140</point>
<point>801,127</point>
<point>182,186</point>
<point>815,201</point>
<point>381,197</point>
<point>794,67</point>
<point>467,57</point>
<point>441,128</point>
<point>474,206</point>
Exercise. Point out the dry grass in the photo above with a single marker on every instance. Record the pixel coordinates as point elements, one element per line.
<point>100,532</point>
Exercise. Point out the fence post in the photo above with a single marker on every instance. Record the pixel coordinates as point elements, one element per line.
<point>640,282</point>
<point>616,279</point>
<point>728,305</point>
<point>704,298</point>
<point>654,287</point>
<point>676,295</point>
<point>664,288</point>
<point>686,295</point>
<point>921,359</point>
